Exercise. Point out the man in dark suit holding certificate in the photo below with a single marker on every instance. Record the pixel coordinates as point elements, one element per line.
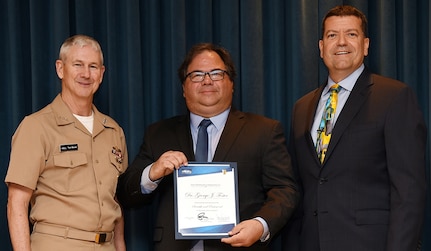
<point>267,190</point>
<point>361,155</point>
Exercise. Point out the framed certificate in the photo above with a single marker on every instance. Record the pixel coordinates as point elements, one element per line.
<point>206,200</point>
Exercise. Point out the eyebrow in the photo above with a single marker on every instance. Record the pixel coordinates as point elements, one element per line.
<point>207,71</point>
<point>83,62</point>
<point>348,30</point>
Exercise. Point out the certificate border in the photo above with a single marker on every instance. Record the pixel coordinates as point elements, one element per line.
<point>180,236</point>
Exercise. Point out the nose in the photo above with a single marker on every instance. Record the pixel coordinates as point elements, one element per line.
<point>207,78</point>
<point>86,72</point>
<point>342,40</point>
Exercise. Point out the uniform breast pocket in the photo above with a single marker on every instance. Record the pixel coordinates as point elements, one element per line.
<point>71,172</point>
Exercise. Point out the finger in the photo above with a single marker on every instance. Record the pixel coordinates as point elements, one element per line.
<point>236,229</point>
<point>234,241</point>
<point>178,159</point>
<point>227,240</point>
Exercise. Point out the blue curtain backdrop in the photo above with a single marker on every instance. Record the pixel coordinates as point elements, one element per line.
<point>274,44</point>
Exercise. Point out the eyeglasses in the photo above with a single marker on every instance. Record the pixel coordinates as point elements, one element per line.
<point>199,76</point>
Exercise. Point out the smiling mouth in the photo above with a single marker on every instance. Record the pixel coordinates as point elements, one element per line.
<point>207,92</point>
<point>342,53</point>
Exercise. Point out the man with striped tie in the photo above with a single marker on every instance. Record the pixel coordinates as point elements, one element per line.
<point>364,187</point>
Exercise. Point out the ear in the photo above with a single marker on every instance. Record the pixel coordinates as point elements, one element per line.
<point>321,47</point>
<point>102,71</point>
<point>184,95</point>
<point>59,68</point>
<point>366,46</point>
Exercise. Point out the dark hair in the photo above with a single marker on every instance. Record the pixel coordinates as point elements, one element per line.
<point>197,49</point>
<point>346,10</point>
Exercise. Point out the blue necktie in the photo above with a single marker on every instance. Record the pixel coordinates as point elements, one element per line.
<point>201,154</point>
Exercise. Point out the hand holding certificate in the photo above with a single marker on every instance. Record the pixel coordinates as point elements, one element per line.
<point>206,201</point>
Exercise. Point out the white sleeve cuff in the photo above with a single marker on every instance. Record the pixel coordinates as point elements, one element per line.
<point>266,234</point>
<point>148,186</point>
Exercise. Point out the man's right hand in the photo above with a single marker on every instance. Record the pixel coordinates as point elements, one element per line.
<point>166,164</point>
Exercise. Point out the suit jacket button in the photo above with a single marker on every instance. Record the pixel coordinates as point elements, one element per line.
<point>322,181</point>
<point>315,213</point>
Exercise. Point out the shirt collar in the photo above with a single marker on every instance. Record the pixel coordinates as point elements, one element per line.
<point>218,121</point>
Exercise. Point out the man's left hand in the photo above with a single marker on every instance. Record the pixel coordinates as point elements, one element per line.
<point>245,234</point>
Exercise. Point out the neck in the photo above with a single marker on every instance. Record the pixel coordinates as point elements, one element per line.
<point>81,107</point>
<point>337,77</point>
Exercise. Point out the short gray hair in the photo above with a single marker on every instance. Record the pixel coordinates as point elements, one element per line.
<point>80,40</point>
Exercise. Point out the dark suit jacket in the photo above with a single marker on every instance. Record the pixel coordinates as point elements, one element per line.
<point>369,194</point>
<point>265,179</point>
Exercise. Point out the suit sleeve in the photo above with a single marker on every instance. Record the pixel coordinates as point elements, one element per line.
<point>278,179</point>
<point>405,139</point>
<point>129,183</point>
<point>291,232</point>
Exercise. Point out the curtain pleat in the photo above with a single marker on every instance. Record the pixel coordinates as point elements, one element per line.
<point>274,45</point>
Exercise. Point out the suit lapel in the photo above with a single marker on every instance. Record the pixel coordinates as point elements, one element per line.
<point>184,136</point>
<point>356,99</point>
<point>234,124</point>
<point>311,113</point>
